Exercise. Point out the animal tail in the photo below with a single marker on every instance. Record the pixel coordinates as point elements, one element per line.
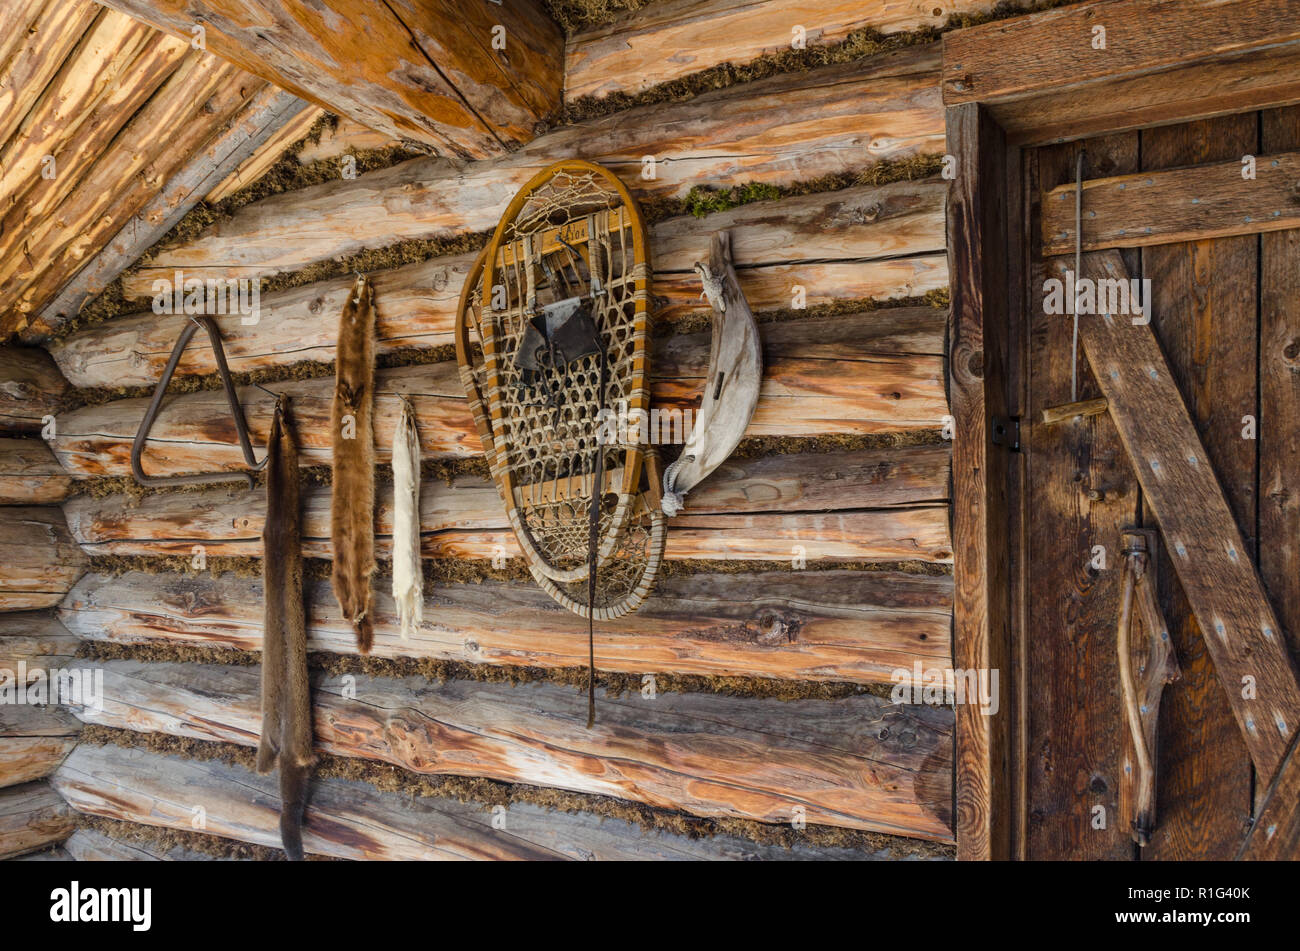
<point>293,804</point>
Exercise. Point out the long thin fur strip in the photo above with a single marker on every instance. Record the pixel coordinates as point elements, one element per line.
<point>408,579</point>
<point>352,512</point>
<point>286,738</point>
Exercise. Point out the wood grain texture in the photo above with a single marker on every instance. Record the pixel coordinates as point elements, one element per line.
<point>1275,833</point>
<point>1279,400</point>
<point>1010,59</point>
<point>29,473</point>
<point>31,388</point>
<point>39,38</point>
<point>32,816</point>
<point>841,245</point>
<point>816,625</point>
<point>262,118</point>
<point>194,103</point>
<point>1077,732</point>
<point>35,637</point>
<point>886,496</point>
<point>807,390</point>
<point>264,156</point>
<point>351,820</point>
<point>1207,549</point>
<point>26,758</point>
<point>789,128</point>
<point>420,71</point>
<point>859,762</point>
<point>977,262</point>
<point>89,845</point>
<point>1204,311</point>
<point>670,39</point>
<point>1194,203</point>
<point>347,136</point>
<point>41,561</point>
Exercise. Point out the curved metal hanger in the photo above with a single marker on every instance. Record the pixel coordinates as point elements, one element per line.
<point>151,414</point>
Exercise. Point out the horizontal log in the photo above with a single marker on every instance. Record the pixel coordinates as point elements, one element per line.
<point>31,388</point>
<point>25,758</point>
<point>41,561</point>
<point>36,637</point>
<point>25,719</point>
<point>792,127</point>
<point>1181,204</point>
<point>813,496</point>
<point>670,39</point>
<point>1004,61</point>
<point>351,820</point>
<point>29,473</point>
<point>859,243</point>
<point>814,625</point>
<point>32,816</point>
<point>809,388</point>
<point>347,136</point>
<point>90,845</point>
<point>860,762</point>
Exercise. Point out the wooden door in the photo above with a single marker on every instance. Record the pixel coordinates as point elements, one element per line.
<point>1226,313</point>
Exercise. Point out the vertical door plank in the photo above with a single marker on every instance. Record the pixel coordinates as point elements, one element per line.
<point>1204,315</point>
<point>1075,721</point>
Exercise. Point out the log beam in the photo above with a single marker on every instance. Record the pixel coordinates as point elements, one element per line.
<point>859,762</point>
<point>29,473</point>
<point>32,816</point>
<point>41,561</point>
<point>807,390</point>
<point>813,625</point>
<point>429,72</point>
<point>351,820</point>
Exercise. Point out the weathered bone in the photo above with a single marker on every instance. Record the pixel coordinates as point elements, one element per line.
<point>732,387</point>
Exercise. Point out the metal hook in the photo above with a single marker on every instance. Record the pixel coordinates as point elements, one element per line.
<point>236,411</point>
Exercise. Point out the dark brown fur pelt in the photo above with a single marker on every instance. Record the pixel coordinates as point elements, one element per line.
<point>352,509</point>
<point>286,738</point>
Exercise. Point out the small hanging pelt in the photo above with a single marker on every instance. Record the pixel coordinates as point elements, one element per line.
<point>286,738</point>
<point>352,506</point>
<point>408,581</point>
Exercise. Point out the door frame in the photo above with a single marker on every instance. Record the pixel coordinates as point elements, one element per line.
<point>1009,86</point>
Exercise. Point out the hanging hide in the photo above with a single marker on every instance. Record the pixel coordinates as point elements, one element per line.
<point>408,581</point>
<point>286,739</point>
<point>732,386</point>
<point>552,344</point>
<point>352,510</point>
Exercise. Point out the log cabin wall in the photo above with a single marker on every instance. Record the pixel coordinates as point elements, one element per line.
<point>747,701</point>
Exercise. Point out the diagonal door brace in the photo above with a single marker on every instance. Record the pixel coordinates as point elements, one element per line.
<point>1224,590</point>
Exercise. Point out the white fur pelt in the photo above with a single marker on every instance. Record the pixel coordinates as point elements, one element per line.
<point>408,577</point>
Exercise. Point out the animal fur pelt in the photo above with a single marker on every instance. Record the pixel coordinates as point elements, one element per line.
<point>408,580</point>
<point>352,512</point>
<point>286,738</point>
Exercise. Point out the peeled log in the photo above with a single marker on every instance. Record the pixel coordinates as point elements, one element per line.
<point>669,39</point>
<point>859,762</point>
<point>40,560</point>
<point>32,816</point>
<point>31,388</point>
<point>826,376</point>
<point>853,244</point>
<point>352,820</point>
<point>791,127</point>
<point>29,473</point>
<point>865,505</point>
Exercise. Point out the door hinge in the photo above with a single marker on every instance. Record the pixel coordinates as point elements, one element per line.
<point>1006,432</point>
